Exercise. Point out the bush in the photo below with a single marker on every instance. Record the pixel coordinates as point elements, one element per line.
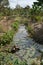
<point>15,25</point>
<point>29,28</point>
<point>38,18</point>
<point>6,38</point>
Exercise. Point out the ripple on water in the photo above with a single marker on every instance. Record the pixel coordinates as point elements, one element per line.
<point>28,47</point>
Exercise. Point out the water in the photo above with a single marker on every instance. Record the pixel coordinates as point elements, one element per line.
<point>28,47</point>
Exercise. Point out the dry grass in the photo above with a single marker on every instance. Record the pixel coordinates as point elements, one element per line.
<point>6,25</point>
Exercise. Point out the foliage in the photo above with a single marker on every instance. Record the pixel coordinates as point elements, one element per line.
<point>39,3</point>
<point>4,2</point>
<point>23,63</point>
<point>36,10</point>
<point>4,9</point>
<point>10,59</point>
<point>6,38</point>
<point>29,28</point>
<point>15,25</point>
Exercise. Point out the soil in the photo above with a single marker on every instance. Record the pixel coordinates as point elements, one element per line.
<point>38,32</point>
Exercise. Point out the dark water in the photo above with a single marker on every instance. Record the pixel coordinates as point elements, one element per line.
<point>28,47</point>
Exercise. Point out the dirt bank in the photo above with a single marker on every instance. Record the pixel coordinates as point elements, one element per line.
<point>37,32</point>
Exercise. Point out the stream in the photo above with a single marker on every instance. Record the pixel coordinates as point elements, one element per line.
<point>28,47</point>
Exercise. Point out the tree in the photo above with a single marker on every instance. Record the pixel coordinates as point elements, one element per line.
<point>37,10</point>
<point>18,6</point>
<point>4,2</point>
<point>39,3</point>
<point>4,7</point>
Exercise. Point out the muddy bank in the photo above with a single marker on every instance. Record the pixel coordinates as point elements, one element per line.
<point>36,31</point>
<point>5,25</point>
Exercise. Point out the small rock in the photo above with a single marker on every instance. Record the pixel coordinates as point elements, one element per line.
<point>15,49</point>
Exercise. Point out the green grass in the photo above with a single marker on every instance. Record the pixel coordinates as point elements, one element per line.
<point>6,38</point>
<point>15,25</point>
<point>10,59</point>
<point>29,28</point>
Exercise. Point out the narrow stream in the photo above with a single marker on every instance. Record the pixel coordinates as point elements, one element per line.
<point>28,47</point>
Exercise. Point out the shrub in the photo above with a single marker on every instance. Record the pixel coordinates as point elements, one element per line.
<point>38,18</point>
<point>15,25</point>
<point>29,28</point>
<point>6,38</point>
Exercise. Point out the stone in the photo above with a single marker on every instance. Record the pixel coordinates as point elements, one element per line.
<point>14,49</point>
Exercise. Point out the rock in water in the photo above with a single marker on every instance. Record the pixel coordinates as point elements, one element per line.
<point>14,49</point>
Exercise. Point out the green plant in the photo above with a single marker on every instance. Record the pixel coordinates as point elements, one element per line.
<point>10,59</point>
<point>15,25</point>
<point>29,28</point>
<point>6,38</point>
<point>23,63</point>
<point>16,62</point>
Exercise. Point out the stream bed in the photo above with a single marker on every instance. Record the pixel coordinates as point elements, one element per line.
<point>28,47</point>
